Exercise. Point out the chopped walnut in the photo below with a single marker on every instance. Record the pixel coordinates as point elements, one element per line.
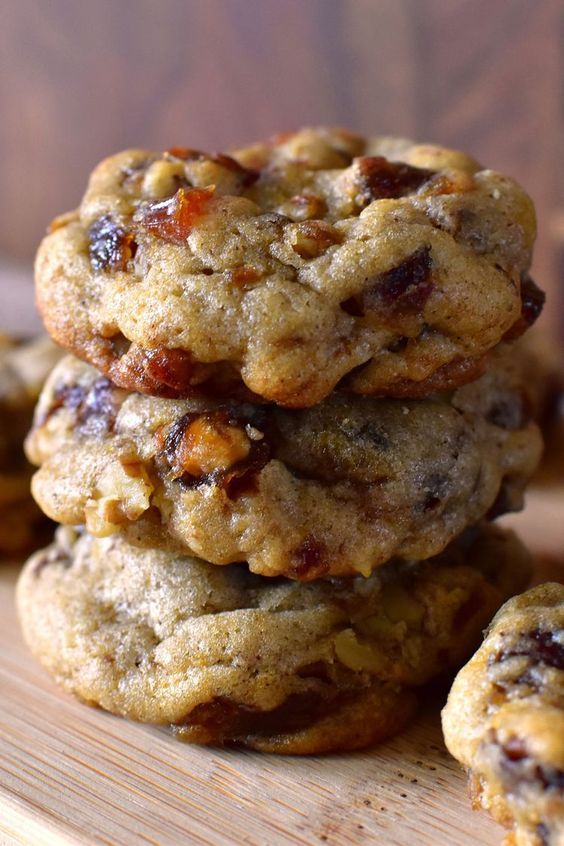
<point>357,656</point>
<point>209,444</point>
<point>163,178</point>
<point>124,491</point>
<point>312,237</point>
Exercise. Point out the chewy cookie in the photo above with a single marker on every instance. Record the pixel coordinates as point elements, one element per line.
<point>333,490</point>
<point>504,720</point>
<point>23,369</point>
<point>227,657</point>
<point>290,266</point>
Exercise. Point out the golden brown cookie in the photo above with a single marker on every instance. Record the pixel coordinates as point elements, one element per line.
<point>291,266</point>
<point>333,490</point>
<point>504,720</point>
<point>223,656</point>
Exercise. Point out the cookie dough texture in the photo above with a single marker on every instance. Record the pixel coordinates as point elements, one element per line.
<point>504,720</point>
<point>333,490</point>
<point>23,369</point>
<point>227,657</point>
<point>319,257</point>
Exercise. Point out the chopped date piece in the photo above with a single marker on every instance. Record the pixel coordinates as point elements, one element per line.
<point>405,288</point>
<point>309,559</point>
<point>171,367</point>
<point>532,302</point>
<point>173,219</point>
<point>243,277</point>
<point>381,179</point>
<point>111,247</point>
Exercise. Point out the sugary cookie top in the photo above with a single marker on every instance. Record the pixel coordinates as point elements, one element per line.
<point>289,265</point>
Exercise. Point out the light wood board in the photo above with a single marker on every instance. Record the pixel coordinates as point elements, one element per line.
<point>73,775</point>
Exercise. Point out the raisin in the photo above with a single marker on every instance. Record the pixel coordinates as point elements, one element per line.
<point>380,178</point>
<point>173,219</point>
<point>539,645</point>
<point>95,409</point>
<point>110,246</point>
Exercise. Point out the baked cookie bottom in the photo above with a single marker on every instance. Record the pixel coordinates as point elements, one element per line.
<point>226,657</point>
<point>504,720</point>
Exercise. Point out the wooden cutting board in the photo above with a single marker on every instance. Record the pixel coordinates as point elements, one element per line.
<point>73,775</point>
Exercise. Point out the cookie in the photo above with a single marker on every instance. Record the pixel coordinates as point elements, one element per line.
<point>23,369</point>
<point>288,267</point>
<point>333,490</point>
<point>223,656</point>
<point>504,720</point>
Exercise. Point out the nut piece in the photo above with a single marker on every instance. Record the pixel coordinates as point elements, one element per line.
<point>355,655</point>
<point>210,444</point>
<point>312,237</point>
<point>123,493</point>
<point>163,178</point>
<point>399,605</point>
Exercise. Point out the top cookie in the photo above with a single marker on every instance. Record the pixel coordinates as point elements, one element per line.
<point>319,257</point>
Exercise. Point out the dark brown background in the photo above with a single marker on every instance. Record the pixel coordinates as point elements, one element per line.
<point>81,80</point>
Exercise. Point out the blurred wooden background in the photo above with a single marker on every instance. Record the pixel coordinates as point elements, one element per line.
<point>81,80</point>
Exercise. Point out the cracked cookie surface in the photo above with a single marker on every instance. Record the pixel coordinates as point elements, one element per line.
<point>286,268</point>
<point>227,657</point>
<point>504,720</point>
<point>333,490</point>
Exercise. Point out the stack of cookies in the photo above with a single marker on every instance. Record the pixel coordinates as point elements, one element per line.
<point>293,410</point>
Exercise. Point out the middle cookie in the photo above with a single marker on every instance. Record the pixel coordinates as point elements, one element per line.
<point>336,489</point>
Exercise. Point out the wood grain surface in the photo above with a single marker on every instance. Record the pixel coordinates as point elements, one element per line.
<point>73,775</point>
<point>81,80</point>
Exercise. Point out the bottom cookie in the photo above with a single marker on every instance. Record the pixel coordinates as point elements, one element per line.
<point>227,657</point>
<point>504,720</point>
